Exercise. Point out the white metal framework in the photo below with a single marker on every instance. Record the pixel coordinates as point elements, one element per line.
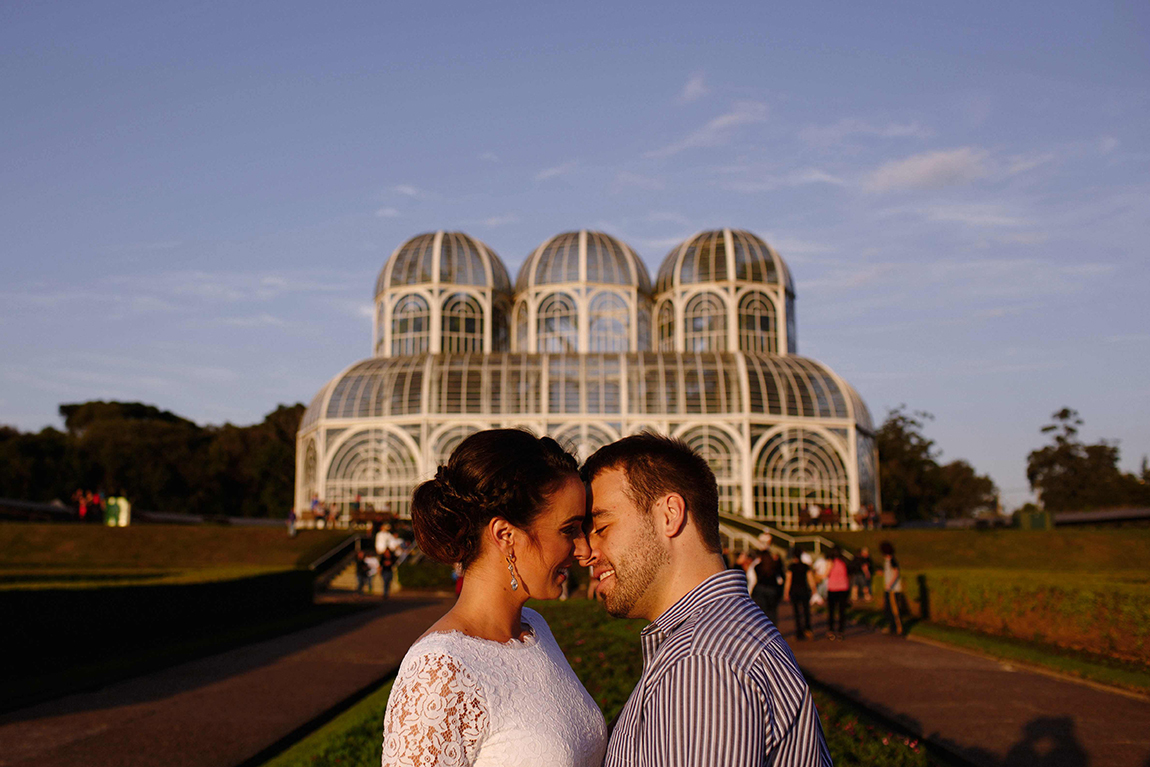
<point>569,354</point>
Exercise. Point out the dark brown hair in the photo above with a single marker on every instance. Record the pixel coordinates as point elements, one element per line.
<point>507,473</point>
<point>656,465</point>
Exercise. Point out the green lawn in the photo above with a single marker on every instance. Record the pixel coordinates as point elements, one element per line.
<point>605,655</point>
<point>74,547</point>
<point>1066,549</point>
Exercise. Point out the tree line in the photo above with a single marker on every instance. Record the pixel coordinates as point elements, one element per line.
<point>158,460</point>
<point>161,461</point>
<point>1067,475</point>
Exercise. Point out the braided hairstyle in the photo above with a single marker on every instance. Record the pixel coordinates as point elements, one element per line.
<point>507,473</point>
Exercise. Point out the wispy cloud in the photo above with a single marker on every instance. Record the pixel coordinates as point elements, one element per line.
<point>931,170</point>
<point>387,213</point>
<point>1107,144</point>
<point>828,135</point>
<point>794,178</point>
<point>489,157</point>
<point>625,179</point>
<point>1023,163</point>
<point>695,88</point>
<point>972,215</point>
<point>556,170</point>
<point>717,131</point>
<point>408,190</point>
<point>494,221</point>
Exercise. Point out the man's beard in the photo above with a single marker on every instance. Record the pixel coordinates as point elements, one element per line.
<point>634,575</point>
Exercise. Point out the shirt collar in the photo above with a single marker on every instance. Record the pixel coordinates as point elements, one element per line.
<point>719,585</point>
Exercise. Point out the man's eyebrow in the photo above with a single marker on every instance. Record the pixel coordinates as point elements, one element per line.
<point>598,511</point>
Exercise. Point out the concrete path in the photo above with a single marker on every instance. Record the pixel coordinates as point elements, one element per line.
<point>990,712</point>
<point>220,710</point>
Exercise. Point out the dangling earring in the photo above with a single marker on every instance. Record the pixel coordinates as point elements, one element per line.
<point>511,569</point>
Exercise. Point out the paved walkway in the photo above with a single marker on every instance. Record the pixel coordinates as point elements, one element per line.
<point>224,709</point>
<point>988,711</point>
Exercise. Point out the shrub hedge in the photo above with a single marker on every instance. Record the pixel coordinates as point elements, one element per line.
<point>1106,614</point>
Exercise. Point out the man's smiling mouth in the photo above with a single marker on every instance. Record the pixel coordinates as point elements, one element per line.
<point>605,574</point>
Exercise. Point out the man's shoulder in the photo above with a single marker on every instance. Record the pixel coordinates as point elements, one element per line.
<point>731,630</point>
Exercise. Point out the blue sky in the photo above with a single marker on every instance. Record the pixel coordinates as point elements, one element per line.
<point>196,197</point>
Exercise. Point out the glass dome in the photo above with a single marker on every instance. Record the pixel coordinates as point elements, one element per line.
<point>634,384</point>
<point>584,256</point>
<point>445,257</point>
<point>720,255</point>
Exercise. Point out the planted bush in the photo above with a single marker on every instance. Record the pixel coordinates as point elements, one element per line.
<point>1106,614</point>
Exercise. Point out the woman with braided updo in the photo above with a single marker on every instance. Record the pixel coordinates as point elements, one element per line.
<point>487,684</point>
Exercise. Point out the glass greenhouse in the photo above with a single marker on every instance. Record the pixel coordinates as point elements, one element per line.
<point>568,351</point>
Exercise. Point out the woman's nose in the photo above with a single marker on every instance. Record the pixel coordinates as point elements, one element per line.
<point>582,550</point>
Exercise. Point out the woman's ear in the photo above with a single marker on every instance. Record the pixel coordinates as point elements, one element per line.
<point>502,534</point>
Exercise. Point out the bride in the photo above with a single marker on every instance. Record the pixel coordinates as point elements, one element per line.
<point>487,684</point>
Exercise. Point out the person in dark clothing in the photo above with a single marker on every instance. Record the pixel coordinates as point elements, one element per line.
<point>797,589</point>
<point>861,570</point>
<point>362,573</point>
<point>386,565</point>
<point>768,587</point>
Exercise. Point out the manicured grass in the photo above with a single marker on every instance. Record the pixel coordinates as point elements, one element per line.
<point>1080,550</point>
<point>605,655</point>
<point>32,579</point>
<point>26,546</point>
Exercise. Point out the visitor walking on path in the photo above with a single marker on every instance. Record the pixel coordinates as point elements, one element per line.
<point>386,566</point>
<point>861,570</point>
<point>797,589</point>
<point>894,603</point>
<point>838,593</point>
<point>767,569</point>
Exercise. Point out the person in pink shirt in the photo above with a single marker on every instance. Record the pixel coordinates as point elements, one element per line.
<point>838,594</point>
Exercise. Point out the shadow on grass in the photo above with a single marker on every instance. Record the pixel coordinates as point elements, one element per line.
<point>212,656</point>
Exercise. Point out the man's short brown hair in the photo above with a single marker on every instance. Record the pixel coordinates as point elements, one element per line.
<point>656,465</point>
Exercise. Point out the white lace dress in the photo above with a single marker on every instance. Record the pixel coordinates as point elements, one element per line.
<point>460,700</point>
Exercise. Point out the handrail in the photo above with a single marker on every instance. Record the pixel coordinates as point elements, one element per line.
<point>338,549</point>
<point>733,523</point>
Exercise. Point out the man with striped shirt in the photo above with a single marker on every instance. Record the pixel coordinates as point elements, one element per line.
<point>719,684</point>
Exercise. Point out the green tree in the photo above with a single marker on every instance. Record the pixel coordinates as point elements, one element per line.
<point>913,484</point>
<point>1069,475</point>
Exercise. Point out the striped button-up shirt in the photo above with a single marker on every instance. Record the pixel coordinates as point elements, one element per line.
<point>719,687</point>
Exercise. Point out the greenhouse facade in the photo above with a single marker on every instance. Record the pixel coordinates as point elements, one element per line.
<point>583,348</point>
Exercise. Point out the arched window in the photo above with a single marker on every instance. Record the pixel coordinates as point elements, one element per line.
<point>608,330</point>
<point>377,465</point>
<point>521,327</point>
<point>758,330</point>
<point>462,324</point>
<point>798,468</point>
<point>310,466</point>
<point>666,326</point>
<point>410,326</point>
<point>721,454</point>
<point>500,333</point>
<point>705,324</point>
<point>557,329</point>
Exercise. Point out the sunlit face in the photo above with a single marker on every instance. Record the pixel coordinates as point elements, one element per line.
<point>626,552</point>
<point>557,539</point>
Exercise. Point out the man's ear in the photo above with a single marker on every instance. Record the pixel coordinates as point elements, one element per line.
<point>673,513</point>
<point>502,534</point>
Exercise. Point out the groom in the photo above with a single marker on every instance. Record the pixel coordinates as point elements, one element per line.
<point>719,684</point>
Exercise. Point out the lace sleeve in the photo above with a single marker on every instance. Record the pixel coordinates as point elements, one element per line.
<point>435,715</point>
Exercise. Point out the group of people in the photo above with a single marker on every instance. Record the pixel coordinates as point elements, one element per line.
<point>387,551</point>
<point>831,580</point>
<point>488,685</point>
<point>113,510</point>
